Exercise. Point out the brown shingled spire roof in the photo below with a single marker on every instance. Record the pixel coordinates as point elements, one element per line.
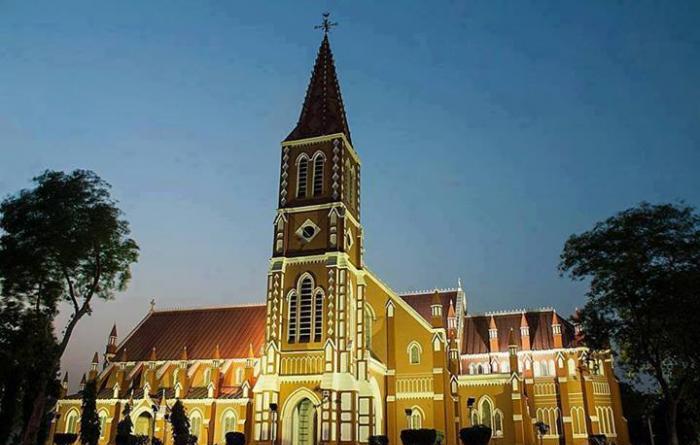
<point>492,323</point>
<point>323,112</point>
<point>95,358</point>
<point>523,321</point>
<point>451,310</point>
<point>511,338</point>
<point>114,331</point>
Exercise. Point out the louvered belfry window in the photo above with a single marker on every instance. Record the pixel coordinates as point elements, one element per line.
<point>318,175</point>
<point>305,310</point>
<point>318,316</point>
<point>302,175</point>
<point>292,321</point>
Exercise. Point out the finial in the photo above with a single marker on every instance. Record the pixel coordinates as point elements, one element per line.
<point>326,25</point>
<point>153,305</point>
<point>459,283</point>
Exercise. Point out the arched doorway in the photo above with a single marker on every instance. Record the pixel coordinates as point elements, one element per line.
<point>143,424</point>
<point>304,423</point>
<point>300,418</point>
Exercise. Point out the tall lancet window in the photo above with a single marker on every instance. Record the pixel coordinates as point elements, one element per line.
<point>305,310</point>
<point>293,307</point>
<point>318,315</point>
<point>302,175</point>
<point>319,162</point>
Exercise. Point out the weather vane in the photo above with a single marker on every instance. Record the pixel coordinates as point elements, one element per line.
<point>327,24</point>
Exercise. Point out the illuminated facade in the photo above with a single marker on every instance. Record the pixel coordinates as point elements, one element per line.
<point>334,355</point>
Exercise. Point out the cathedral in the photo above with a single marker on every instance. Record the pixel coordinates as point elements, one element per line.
<point>333,355</point>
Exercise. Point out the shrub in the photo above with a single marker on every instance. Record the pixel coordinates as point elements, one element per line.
<point>235,438</point>
<point>64,438</point>
<point>422,436</point>
<point>475,435</point>
<point>378,440</point>
<point>597,439</point>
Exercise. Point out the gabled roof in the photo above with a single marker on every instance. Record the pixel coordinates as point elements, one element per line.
<point>421,302</point>
<point>476,331</point>
<point>232,328</point>
<point>323,112</point>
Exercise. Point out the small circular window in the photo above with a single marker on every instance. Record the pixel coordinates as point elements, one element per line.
<point>308,232</point>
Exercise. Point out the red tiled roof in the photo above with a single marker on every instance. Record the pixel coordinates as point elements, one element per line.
<point>200,330</point>
<point>476,331</point>
<point>421,302</point>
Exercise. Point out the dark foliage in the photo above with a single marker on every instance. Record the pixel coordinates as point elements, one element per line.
<point>89,421</point>
<point>475,435</point>
<point>644,270</point>
<point>27,355</point>
<point>378,440</point>
<point>235,438</point>
<point>422,436</point>
<point>62,242</point>
<point>64,438</point>
<point>124,427</point>
<point>180,424</point>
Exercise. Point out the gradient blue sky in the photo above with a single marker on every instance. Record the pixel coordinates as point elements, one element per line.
<point>489,132</point>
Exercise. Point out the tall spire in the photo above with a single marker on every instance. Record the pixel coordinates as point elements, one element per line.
<point>323,112</point>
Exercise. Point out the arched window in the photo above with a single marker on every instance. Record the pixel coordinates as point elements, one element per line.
<point>301,313</point>
<point>228,424</point>
<point>368,319</point>
<point>319,162</point>
<point>571,364</point>
<point>578,422</point>
<point>176,371</point>
<point>472,369</point>
<point>475,418</point>
<point>552,369</point>
<point>292,316</point>
<point>318,315</point>
<point>196,424</point>
<point>494,366</point>
<point>498,423</point>
<point>480,369</point>
<point>207,376</point>
<point>414,351</point>
<point>102,416</point>
<point>544,369</point>
<point>302,175</point>
<point>486,412</point>
<point>72,422</point>
<point>416,419</point>
<point>305,303</point>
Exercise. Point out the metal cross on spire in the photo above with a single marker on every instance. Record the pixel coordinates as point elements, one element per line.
<point>327,24</point>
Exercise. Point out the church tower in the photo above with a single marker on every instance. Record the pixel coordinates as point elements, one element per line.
<point>315,290</point>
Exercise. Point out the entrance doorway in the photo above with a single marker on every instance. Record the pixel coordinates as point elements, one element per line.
<point>304,423</point>
<point>143,424</point>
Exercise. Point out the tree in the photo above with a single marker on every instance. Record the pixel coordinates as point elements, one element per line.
<point>644,270</point>
<point>180,424</point>
<point>89,421</point>
<point>62,241</point>
<point>124,426</point>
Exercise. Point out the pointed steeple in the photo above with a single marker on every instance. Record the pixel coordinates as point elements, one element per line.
<point>183,354</point>
<point>217,353</point>
<point>323,112</point>
<point>524,332</point>
<point>556,330</point>
<point>152,357</point>
<point>113,333</point>
<point>493,335</point>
